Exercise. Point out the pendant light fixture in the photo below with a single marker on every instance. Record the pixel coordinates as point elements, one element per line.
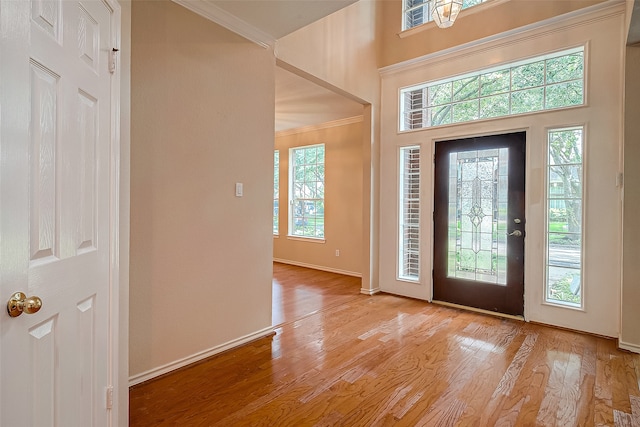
<point>445,12</point>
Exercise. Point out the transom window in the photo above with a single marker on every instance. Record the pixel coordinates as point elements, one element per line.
<point>542,83</point>
<point>306,215</point>
<point>418,12</point>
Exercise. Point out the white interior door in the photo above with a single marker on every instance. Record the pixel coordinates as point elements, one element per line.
<point>55,184</point>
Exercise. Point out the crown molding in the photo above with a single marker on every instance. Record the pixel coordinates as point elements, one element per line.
<point>326,125</point>
<point>210,11</point>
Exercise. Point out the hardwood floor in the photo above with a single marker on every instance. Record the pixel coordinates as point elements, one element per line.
<point>347,359</point>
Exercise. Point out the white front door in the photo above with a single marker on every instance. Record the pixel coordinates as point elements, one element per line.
<point>56,136</point>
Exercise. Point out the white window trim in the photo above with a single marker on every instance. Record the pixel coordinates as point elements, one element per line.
<point>400,238</point>
<point>290,235</point>
<point>500,67</point>
<point>583,285</point>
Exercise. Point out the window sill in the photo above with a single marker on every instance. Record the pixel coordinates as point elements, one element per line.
<point>306,239</point>
<point>561,305</point>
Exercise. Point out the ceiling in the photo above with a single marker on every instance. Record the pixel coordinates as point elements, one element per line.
<point>299,102</point>
<point>277,18</point>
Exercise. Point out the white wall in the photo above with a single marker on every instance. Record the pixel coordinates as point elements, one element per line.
<point>202,119</point>
<point>600,32</point>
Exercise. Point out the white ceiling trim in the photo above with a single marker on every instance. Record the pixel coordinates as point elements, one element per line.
<point>231,22</point>
<point>326,125</point>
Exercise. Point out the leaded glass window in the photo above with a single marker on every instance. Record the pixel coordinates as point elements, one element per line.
<point>478,185</point>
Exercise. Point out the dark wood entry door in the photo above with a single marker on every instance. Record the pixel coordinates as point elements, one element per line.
<point>479,222</point>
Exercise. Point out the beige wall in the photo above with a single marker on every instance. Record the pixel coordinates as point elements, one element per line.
<point>340,52</point>
<point>343,199</point>
<point>630,333</point>
<point>121,368</point>
<point>202,120</point>
<point>472,24</point>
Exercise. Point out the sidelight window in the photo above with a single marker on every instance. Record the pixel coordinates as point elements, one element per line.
<point>409,253</point>
<point>564,228</point>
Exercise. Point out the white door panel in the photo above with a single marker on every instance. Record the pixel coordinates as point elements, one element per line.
<point>55,186</point>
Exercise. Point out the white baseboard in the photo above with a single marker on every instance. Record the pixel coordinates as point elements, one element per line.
<point>628,346</point>
<point>370,291</point>
<point>161,370</point>
<point>318,267</point>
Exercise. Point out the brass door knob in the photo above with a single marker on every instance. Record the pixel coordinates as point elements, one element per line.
<point>19,303</point>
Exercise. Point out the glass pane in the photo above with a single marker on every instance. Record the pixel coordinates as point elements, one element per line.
<point>565,182</point>
<point>414,120</point>
<point>477,251</point>
<point>527,75</point>
<point>464,89</point>
<point>564,285</point>
<point>469,3</point>
<point>494,82</point>
<point>564,95</point>
<point>494,106</point>
<point>440,115</point>
<point>465,111</point>
<point>566,219</point>
<point>565,147</point>
<point>440,94</point>
<point>564,249</point>
<point>412,3</point>
<point>563,68</point>
<point>526,101</point>
<point>564,225</point>
<point>416,17</point>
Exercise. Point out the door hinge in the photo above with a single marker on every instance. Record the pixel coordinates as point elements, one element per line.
<point>109,397</point>
<point>619,180</point>
<point>112,60</point>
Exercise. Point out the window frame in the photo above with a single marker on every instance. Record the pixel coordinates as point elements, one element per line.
<point>402,253</point>
<point>507,66</point>
<point>292,198</point>
<point>276,192</point>
<point>547,193</point>
<point>427,4</point>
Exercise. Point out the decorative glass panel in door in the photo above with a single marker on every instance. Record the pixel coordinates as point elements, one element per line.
<point>479,223</point>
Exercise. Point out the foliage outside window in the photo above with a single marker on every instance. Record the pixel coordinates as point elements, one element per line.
<point>418,12</point>
<point>306,215</point>
<point>409,232</point>
<point>276,191</point>
<point>542,83</point>
<point>564,217</point>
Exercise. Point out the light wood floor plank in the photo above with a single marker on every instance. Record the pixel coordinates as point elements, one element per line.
<point>340,358</point>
